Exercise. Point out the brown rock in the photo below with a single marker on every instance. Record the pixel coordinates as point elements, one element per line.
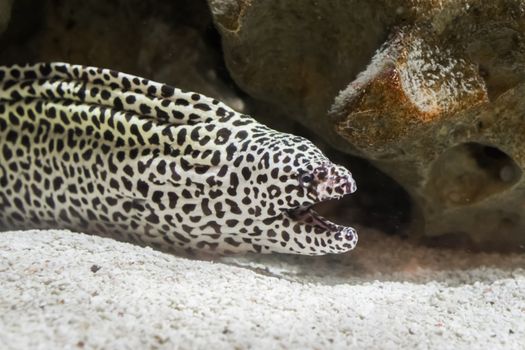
<point>443,115</point>
<point>411,86</point>
<point>296,56</point>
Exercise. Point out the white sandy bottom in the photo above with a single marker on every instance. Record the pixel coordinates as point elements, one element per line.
<point>387,294</point>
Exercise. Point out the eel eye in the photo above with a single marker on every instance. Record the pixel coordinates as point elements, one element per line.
<point>306,179</point>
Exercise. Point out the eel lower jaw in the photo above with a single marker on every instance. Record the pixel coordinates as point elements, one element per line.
<point>307,215</point>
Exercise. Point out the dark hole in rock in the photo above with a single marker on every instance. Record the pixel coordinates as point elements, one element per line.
<point>471,172</point>
<point>497,163</point>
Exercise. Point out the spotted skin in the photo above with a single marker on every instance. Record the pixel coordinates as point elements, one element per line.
<point>108,153</point>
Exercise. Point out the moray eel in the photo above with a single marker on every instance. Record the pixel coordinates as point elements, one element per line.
<point>108,153</point>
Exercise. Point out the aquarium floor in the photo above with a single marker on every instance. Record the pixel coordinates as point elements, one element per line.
<point>68,290</point>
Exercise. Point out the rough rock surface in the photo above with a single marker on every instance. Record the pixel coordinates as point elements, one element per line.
<point>440,109</point>
<point>297,56</point>
<point>68,290</point>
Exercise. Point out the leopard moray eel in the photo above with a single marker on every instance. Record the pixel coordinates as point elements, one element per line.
<point>108,153</point>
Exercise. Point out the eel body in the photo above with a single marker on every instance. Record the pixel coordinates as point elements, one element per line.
<point>103,152</point>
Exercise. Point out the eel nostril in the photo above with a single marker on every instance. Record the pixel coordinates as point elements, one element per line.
<point>322,173</point>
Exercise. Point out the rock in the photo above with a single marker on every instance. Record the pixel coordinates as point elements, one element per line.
<point>440,109</point>
<point>296,56</point>
<point>423,111</point>
<point>410,84</point>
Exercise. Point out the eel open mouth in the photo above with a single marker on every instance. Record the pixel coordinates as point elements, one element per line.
<point>335,185</point>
